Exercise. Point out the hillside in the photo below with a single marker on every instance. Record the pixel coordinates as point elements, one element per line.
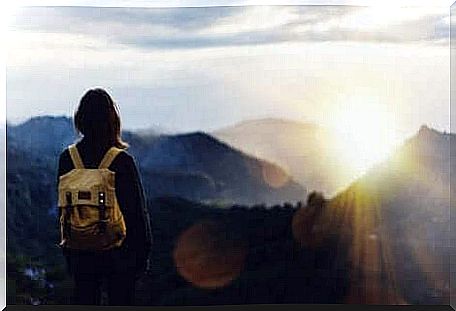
<point>396,220</point>
<point>195,166</point>
<point>384,239</point>
<point>305,150</point>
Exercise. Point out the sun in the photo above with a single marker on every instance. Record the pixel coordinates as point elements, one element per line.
<point>365,131</point>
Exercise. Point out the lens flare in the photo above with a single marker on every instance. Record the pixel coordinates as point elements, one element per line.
<point>207,256</point>
<point>274,177</point>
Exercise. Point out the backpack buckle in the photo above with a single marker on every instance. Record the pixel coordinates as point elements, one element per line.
<point>102,212</point>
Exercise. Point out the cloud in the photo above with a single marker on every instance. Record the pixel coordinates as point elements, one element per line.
<point>193,28</point>
<point>201,68</point>
<point>379,24</point>
<point>106,21</point>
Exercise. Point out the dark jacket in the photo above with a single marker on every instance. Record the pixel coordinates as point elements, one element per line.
<point>132,255</point>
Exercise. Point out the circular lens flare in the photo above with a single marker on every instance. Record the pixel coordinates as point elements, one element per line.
<point>207,256</point>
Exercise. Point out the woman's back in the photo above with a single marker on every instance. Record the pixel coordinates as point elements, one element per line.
<point>129,191</point>
<point>98,121</point>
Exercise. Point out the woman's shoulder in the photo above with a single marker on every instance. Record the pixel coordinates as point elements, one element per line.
<point>125,155</point>
<point>64,153</point>
<point>65,163</point>
<point>125,159</point>
<point>65,160</point>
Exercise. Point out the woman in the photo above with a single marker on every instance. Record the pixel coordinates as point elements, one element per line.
<point>97,120</point>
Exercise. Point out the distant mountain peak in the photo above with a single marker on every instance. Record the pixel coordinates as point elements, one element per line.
<point>427,134</point>
<point>193,137</point>
<point>202,138</point>
<point>270,120</point>
<point>267,122</point>
<point>48,118</point>
<point>426,130</point>
<point>43,122</point>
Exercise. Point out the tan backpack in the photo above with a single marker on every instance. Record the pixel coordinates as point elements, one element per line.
<point>90,215</point>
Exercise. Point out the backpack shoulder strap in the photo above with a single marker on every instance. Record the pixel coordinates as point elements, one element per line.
<point>109,157</point>
<point>75,157</point>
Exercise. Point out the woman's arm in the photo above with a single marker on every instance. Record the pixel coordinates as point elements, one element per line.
<point>65,165</point>
<point>131,199</point>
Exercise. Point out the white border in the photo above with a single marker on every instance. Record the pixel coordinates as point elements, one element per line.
<point>205,3</point>
<point>11,4</point>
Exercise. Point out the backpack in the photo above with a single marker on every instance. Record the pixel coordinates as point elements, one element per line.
<point>91,218</point>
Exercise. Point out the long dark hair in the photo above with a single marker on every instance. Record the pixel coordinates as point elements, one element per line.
<point>97,118</point>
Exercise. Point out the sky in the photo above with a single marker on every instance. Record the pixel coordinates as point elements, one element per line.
<point>186,69</point>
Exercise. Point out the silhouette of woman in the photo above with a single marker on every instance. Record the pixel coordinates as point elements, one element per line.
<point>97,119</point>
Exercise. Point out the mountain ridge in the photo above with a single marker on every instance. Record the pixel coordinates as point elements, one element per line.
<point>237,175</point>
<point>393,221</point>
<point>400,209</point>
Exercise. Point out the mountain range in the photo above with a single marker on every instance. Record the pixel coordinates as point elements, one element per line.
<point>397,219</point>
<point>393,222</point>
<point>305,150</point>
<point>194,166</point>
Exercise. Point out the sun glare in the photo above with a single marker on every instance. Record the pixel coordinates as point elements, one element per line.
<point>365,131</point>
